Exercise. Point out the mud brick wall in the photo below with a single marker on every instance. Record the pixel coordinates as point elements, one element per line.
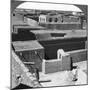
<point>51,66</point>
<point>78,55</point>
<point>66,63</point>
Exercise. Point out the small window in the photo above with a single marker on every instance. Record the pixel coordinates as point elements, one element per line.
<point>56,20</point>
<point>13,14</point>
<point>50,19</point>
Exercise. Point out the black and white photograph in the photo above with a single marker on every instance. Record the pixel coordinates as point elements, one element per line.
<point>49,44</point>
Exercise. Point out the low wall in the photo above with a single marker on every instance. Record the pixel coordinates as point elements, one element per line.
<point>51,66</point>
<point>55,65</point>
<point>78,55</point>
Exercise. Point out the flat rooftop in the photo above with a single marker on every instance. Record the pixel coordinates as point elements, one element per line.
<point>26,45</point>
<point>69,33</point>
